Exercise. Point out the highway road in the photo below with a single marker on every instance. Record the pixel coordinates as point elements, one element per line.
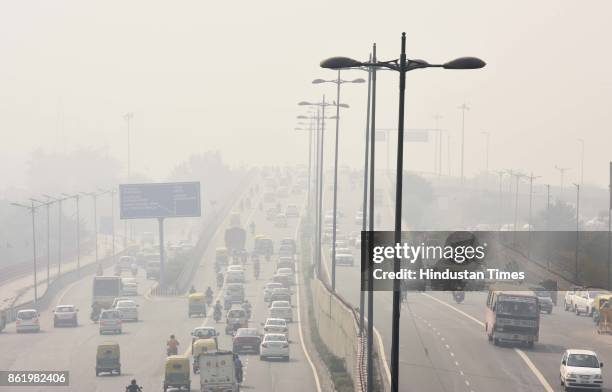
<point>443,346</point>
<point>143,343</point>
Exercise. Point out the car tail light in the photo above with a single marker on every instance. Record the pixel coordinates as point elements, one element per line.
<point>18,322</point>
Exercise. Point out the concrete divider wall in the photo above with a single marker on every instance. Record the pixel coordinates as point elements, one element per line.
<point>338,328</point>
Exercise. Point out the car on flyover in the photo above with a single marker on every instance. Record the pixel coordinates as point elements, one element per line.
<point>581,369</point>
<point>65,315</point>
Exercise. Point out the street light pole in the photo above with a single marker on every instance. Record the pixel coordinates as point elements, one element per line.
<point>32,208</point>
<point>59,232</point>
<point>500,173</point>
<point>561,171</point>
<point>402,66</point>
<point>437,117</point>
<point>370,218</point>
<point>128,118</point>
<point>365,194</point>
<point>581,141</point>
<point>463,108</point>
<point>576,277</point>
<point>531,178</point>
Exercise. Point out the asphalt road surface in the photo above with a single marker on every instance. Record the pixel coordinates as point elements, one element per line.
<point>143,343</point>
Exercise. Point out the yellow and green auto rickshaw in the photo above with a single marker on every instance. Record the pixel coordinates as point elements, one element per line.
<point>201,346</point>
<point>600,300</point>
<point>221,257</point>
<point>177,373</point>
<point>197,304</point>
<point>108,358</point>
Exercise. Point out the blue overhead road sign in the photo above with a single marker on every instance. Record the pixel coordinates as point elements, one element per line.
<point>160,200</point>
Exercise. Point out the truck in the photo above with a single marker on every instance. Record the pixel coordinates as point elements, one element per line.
<point>105,290</point>
<point>512,316</point>
<point>218,372</point>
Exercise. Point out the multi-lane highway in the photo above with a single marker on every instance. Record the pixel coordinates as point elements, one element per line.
<point>142,343</point>
<point>443,346</point>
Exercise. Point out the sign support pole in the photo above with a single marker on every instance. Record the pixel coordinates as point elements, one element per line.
<point>161,251</point>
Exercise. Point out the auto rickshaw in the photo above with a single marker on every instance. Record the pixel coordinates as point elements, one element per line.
<point>177,373</point>
<point>599,301</point>
<point>604,322</point>
<point>221,256</point>
<point>197,304</point>
<point>108,358</point>
<point>201,346</point>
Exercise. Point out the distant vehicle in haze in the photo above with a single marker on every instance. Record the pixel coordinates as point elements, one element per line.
<point>65,315</point>
<point>512,316</point>
<point>27,320</point>
<point>105,290</point>
<point>274,345</point>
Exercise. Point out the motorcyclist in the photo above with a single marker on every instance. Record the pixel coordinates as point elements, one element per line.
<point>133,387</point>
<point>172,345</point>
<point>217,311</point>
<point>95,311</point>
<point>238,368</point>
<point>227,300</point>
<point>219,279</point>
<point>247,308</point>
<point>209,295</point>
<point>256,268</point>
<point>192,290</point>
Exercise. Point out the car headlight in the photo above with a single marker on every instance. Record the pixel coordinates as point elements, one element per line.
<point>572,375</point>
<point>597,377</point>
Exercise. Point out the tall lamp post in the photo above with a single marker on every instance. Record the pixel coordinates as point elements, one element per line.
<point>401,65</point>
<point>338,82</point>
<point>94,197</point>
<point>47,205</point>
<point>322,105</point>
<point>32,209</point>
<point>581,141</point>
<point>463,109</point>
<point>59,232</point>
<point>128,119</point>
<point>577,276</point>
<point>76,198</point>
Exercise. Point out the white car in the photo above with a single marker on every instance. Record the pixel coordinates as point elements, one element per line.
<point>276,325</point>
<point>65,314</point>
<point>234,276</point>
<point>129,287</point>
<point>274,345</point>
<point>110,321</point>
<point>584,300</point>
<point>128,310</point>
<point>284,276</point>
<point>269,288</point>
<point>27,321</point>
<point>116,300</point>
<point>281,309</point>
<point>581,369</point>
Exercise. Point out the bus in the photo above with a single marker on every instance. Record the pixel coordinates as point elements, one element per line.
<point>105,290</point>
<point>512,316</point>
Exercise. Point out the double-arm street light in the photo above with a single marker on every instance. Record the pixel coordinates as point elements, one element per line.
<point>47,206</point>
<point>32,209</point>
<point>401,65</point>
<point>320,143</point>
<point>78,229</point>
<point>338,82</point>
<point>59,201</point>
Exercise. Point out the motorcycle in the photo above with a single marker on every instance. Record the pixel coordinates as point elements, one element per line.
<point>209,299</point>
<point>219,281</point>
<point>458,296</point>
<point>217,315</point>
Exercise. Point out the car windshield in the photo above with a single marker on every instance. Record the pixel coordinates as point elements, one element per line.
<point>517,308</point>
<point>63,309</point>
<point>108,315</point>
<point>582,360</point>
<point>126,304</point>
<point>280,304</point>
<point>204,332</point>
<point>236,313</point>
<point>246,332</point>
<point>27,315</point>
<point>275,322</point>
<point>275,338</point>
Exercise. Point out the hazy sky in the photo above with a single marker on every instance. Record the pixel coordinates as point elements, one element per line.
<point>202,75</point>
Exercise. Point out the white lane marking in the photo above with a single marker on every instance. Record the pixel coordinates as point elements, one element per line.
<point>467,383</point>
<point>379,340</point>
<point>520,353</point>
<point>535,370</point>
<point>61,298</point>
<point>299,321</point>
<point>456,363</point>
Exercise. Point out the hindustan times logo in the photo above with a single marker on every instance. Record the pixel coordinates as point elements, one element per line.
<point>411,253</point>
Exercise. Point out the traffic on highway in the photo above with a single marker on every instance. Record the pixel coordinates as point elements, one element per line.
<point>263,196</point>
